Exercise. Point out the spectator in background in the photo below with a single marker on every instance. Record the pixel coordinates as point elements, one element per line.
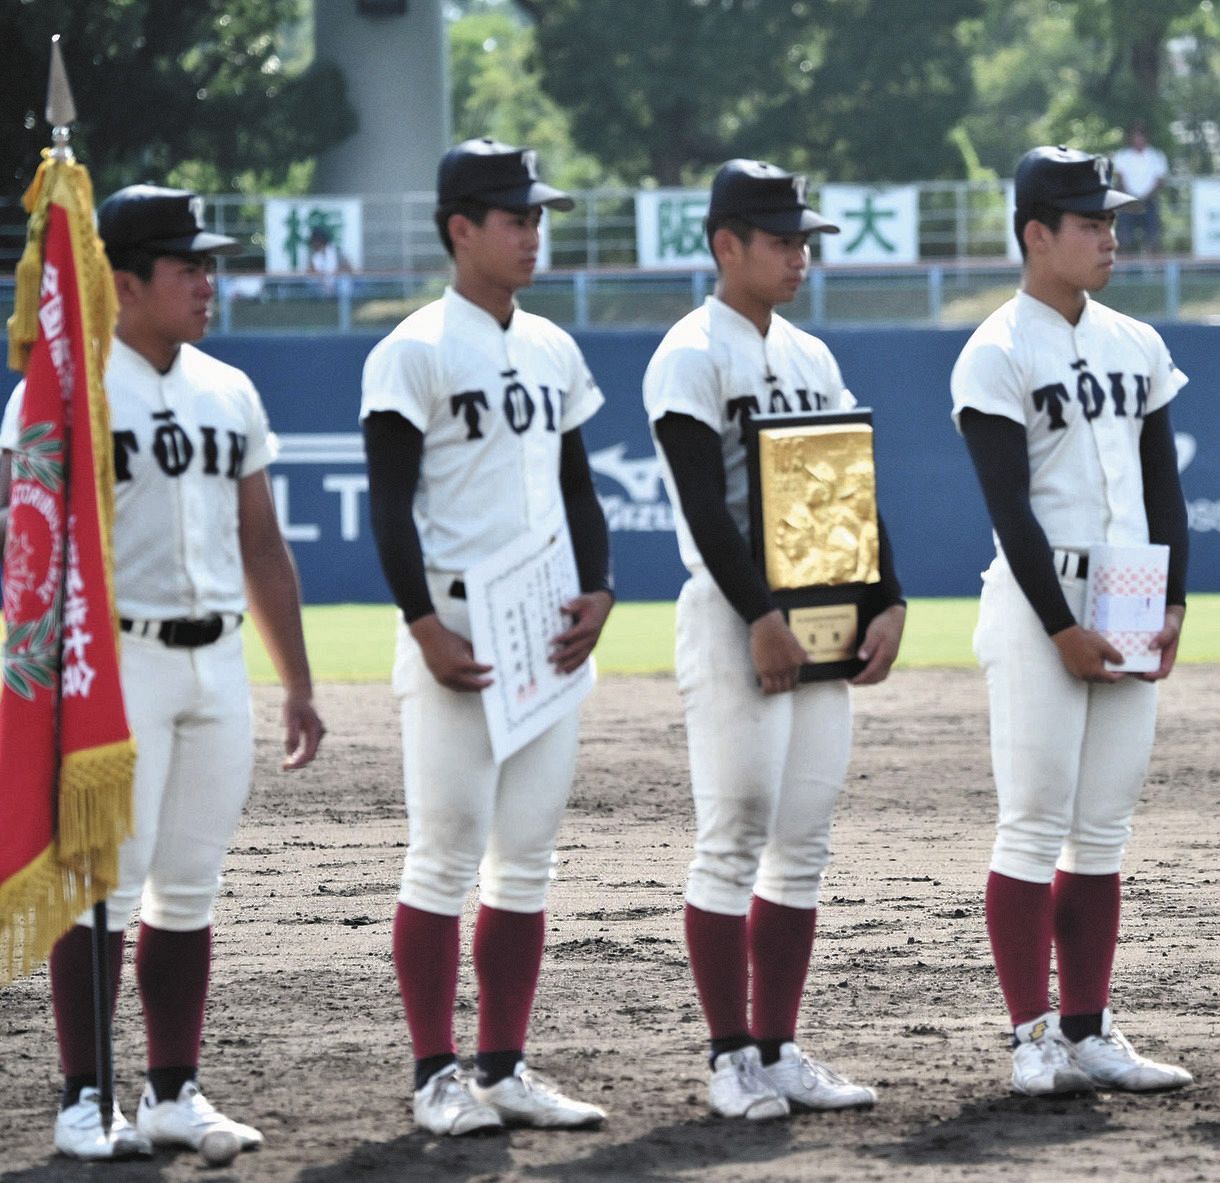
<point>326,260</point>
<point>1140,169</point>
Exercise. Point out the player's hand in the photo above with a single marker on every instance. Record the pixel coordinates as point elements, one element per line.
<point>776,653</point>
<point>448,655</point>
<point>1085,652</point>
<point>880,647</point>
<point>571,648</point>
<point>1167,642</point>
<point>303,731</point>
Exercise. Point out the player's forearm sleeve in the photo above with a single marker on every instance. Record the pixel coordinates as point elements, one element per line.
<point>587,523</point>
<point>890,592</point>
<point>394,450</point>
<point>1163,500</point>
<point>997,448</point>
<point>692,450</point>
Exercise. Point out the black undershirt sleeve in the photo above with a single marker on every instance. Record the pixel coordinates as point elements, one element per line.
<point>394,450</point>
<point>890,591</point>
<point>998,449</point>
<point>1163,500</point>
<point>587,523</point>
<point>692,450</point>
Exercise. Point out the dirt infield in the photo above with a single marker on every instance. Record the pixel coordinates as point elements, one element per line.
<point>305,1036</point>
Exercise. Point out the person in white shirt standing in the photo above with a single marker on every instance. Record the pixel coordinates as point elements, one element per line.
<point>1141,170</point>
<point>471,412</point>
<point>1064,406</point>
<point>195,538</point>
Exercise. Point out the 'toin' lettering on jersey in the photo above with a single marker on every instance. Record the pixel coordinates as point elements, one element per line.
<point>740,408</point>
<point>516,403</point>
<point>1058,399</point>
<point>219,452</point>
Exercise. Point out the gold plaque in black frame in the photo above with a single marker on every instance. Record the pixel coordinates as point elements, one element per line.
<point>814,529</point>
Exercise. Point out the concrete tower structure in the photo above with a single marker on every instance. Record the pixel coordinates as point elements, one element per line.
<point>394,55</point>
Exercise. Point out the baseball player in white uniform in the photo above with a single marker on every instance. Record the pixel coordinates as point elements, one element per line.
<point>471,413</point>
<point>768,755</point>
<point>195,534</point>
<point>1064,405</point>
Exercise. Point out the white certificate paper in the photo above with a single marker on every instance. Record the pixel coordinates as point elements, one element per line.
<point>1125,601</point>
<point>515,599</point>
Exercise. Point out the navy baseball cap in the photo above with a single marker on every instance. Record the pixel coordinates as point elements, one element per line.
<point>495,174</point>
<point>764,196</point>
<point>1068,179</point>
<point>161,221</point>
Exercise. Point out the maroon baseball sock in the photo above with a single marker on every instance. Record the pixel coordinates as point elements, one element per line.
<point>172,969</point>
<point>1020,925</point>
<point>71,968</point>
<point>1086,934</point>
<point>507,959</point>
<point>719,961</point>
<point>426,961</point>
<point>781,943</point>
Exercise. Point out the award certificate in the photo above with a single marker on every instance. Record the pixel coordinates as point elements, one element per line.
<point>515,599</point>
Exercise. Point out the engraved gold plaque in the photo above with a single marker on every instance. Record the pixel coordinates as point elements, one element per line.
<point>828,633</point>
<point>819,505</point>
<point>815,531</point>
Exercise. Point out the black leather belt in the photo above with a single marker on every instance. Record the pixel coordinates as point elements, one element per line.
<point>457,589</point>
<point>1071,564</point>
<point>180,634</point>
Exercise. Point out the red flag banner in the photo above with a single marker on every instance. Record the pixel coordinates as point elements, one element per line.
<point>66,752</point>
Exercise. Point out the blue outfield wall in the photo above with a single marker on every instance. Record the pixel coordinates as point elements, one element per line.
<point>927,490</point>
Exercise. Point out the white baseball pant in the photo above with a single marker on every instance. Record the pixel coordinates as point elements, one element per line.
<point>766,770</point>
<point>471,819</point>
<point>1069,757</point>
<point>189,710</point>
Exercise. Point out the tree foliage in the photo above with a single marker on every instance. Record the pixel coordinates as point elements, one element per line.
<point>852,87</point>
<point>164,86</point>
<point>496,92</point>
<point>873,89</point>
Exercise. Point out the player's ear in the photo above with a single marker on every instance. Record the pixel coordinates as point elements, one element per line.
<point>1037,236</point>
<point>726,245</point>
<point>460,229</point>
<point>128,287</point>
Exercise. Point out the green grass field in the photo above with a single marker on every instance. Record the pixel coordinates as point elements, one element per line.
<point>355,642</point>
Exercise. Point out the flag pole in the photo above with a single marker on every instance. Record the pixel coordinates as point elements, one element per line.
<point>61,114</point>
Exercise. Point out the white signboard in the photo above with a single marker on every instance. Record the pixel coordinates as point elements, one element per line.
<point>516,599</point>
<point>1205,218</point>
<point>878,225</point>
<point>543,262</point>
<point>1012,249</point>
<point>291,223</point>
<point>669,228</point>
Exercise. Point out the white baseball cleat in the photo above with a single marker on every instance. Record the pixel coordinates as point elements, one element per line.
<point>1043,1062</point>
<point>79,1133</point>
<point>188,1120</point>
<point>809,1084</point>
<point>1110,1061</point>
<point>741,1087</point>
<point>445,1106</point>
<point>528,1099</point>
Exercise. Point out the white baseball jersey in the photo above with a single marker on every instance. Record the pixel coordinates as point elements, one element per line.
<point>1141,171</point>
<point>182,441</point>
<point>492,404</point>
<point>1081,392</point>
<point>8,425</point>
<point>715,366</point>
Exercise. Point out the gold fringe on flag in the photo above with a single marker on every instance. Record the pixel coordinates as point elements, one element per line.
<point>66,183</point>
<point>80,867</point>
<point>39,904</point>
